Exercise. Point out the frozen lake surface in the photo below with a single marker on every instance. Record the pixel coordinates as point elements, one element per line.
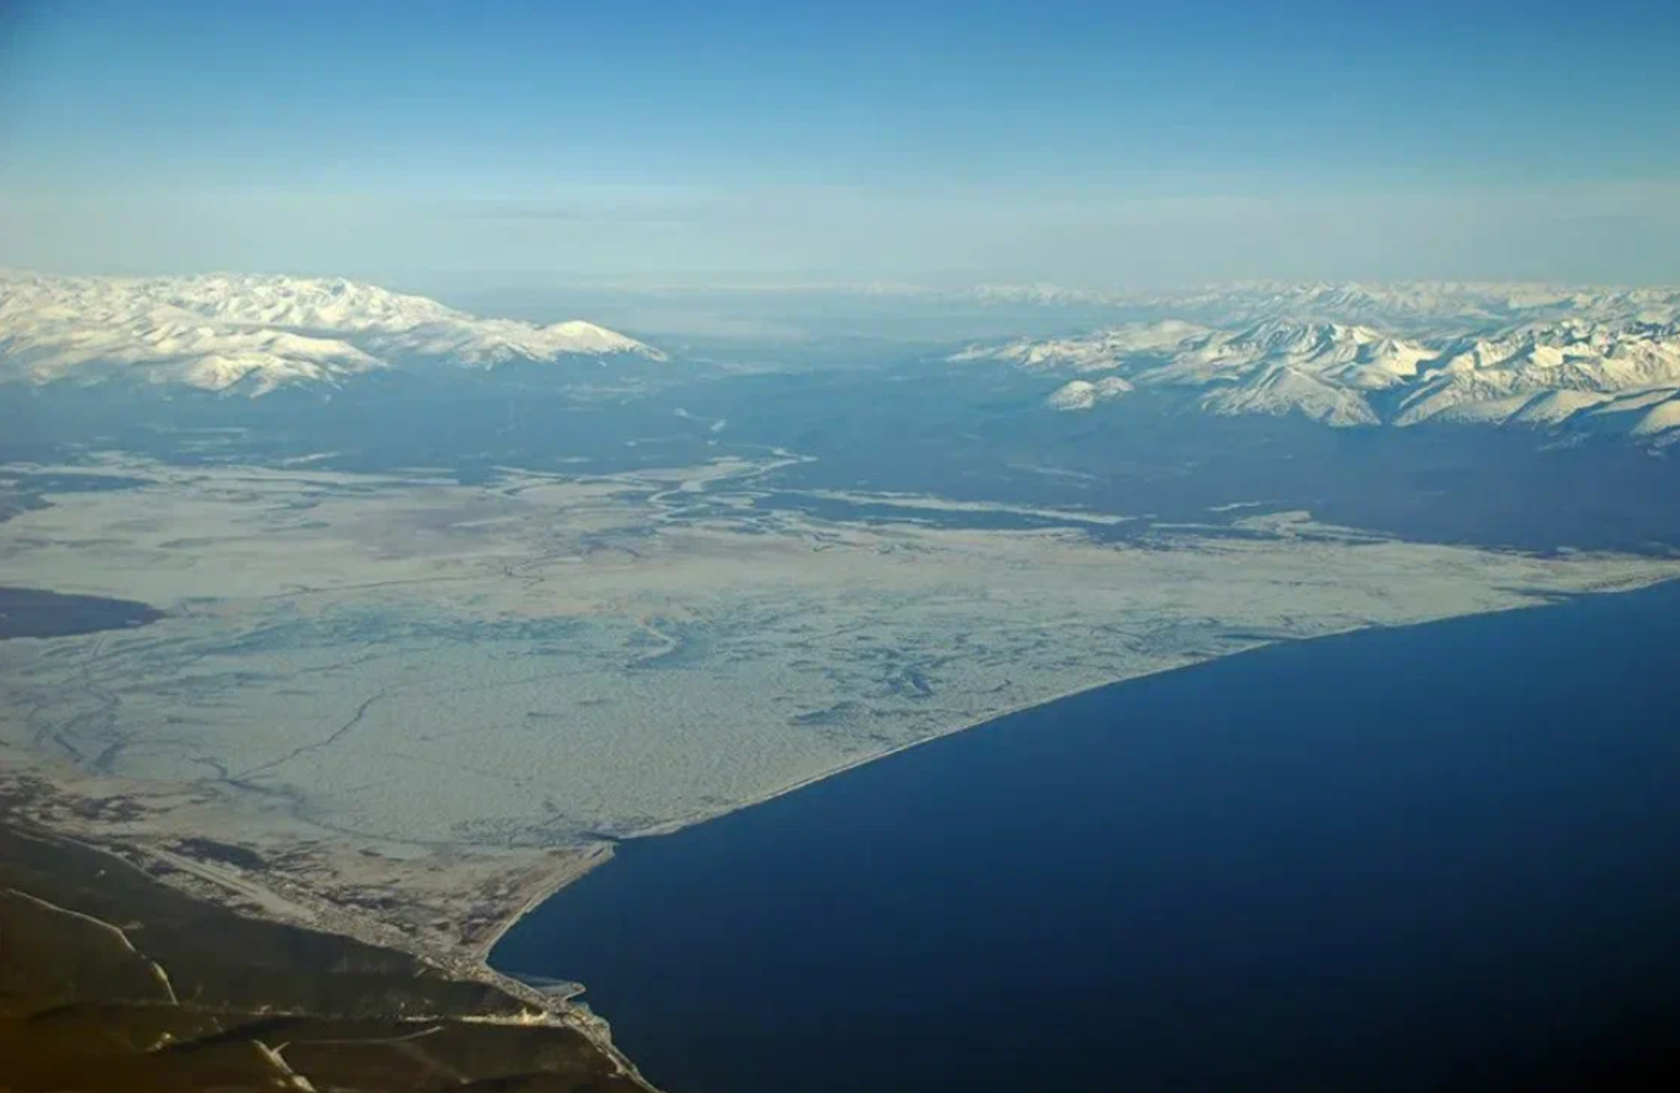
<point>1441,856</point>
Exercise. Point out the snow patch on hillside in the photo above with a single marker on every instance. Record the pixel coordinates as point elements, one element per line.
<point>1084,394</point>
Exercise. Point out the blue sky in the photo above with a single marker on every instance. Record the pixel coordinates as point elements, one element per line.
<point>1102,144</point>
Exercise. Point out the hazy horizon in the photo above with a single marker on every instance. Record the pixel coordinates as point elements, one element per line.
<point>1096,146</point>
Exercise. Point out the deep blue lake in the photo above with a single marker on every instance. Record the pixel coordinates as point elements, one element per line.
<point>1438,857</point>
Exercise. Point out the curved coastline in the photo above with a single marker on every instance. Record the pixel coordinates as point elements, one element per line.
<point>624,895</point>
<point>480,954</point>
<point>602,852</point>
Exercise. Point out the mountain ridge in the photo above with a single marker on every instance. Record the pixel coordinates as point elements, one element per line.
<point>1597,370</point>
<point>254,334</point>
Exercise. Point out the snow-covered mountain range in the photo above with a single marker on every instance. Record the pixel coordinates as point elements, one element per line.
<point>1427,308</point>
<point>1611,365</point>
<point>1596,360</point>
<point>255,334</point>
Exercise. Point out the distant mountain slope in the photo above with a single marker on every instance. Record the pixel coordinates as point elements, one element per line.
<point>254,334</point>
<point>1417,309</point>
<point>1615,367</point>
<point>1097,352</point>
<point>1084,394</point>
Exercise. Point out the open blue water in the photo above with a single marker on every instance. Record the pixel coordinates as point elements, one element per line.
<point>1439,857</point>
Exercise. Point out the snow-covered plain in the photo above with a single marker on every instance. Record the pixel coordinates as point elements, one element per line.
<point>548,658</point>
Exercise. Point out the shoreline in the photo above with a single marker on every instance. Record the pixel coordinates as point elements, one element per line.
<point>526,884</point>
<point>602,853</point>
<point>255,971</point>
<point>596,856</point>
<point>1253,762</point>
<point>671,827</point>
<point>471,963</point>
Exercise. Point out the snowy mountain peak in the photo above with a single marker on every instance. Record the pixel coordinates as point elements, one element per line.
<point>256,333</point>
<point>1606,368</point>
<point>1602,369</point>
<point>1084,394</point>
<point>1095,352</point>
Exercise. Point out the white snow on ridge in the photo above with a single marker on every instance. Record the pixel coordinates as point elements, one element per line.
<point>1593,360</point>
<point>255,333</point>
<point>1096,352</point>
<point>1663,418</point>
<point>1282,391</point>
<point>1084,394</point>
<point>1318,369</point>
<point>489,342</point>
<point>1345,355</point>
<point>1273,367</point>
<point>1435,310</point>
<point>1542,374</point>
